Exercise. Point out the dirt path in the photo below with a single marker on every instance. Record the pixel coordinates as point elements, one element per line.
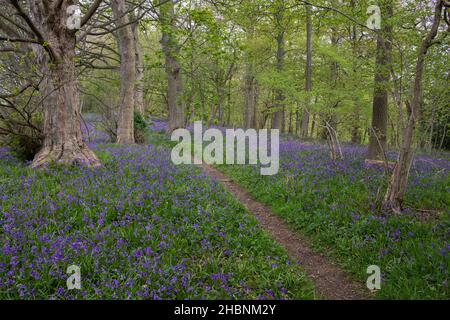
<point>330,281</point>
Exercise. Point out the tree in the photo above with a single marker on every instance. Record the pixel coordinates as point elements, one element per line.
<point>378,130</point>
<point>250,86</point>
<point>127,46</point>
<point>171,49</point>
<point>139,83</point>
<point>279,113</point>
<point>398,184</point>
<point>53,40</point>
<point>308,71</point>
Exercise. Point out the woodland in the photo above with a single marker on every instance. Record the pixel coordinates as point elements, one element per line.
<point>90,92</point>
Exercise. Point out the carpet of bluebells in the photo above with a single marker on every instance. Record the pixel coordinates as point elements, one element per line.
<point>139,228</point>
<point>335,204</point>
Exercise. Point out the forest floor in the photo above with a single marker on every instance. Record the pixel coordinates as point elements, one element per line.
<point>334,206</point>
<point>330,281</point>
<point>140,227</point>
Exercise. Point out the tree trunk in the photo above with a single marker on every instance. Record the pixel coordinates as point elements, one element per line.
<point>220,100</point>
<point>290,128</point>
<point>356,136</point>
<point>397,187</point>
<point>250,89</point>
<point>432,120</point>
<point>313,125</point>
<point>173,69</point>
<point>63,142</point>
<point>255,123</point>
<point>250,98</point>
<point>139,83</point>
<point>378,131</point>
<point>125,129</point>
<point>308,70</point>
<point>278,116</point>
<point>332,138</point>
<point>331,121</point>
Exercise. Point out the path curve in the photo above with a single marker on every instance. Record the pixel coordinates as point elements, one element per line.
<point>330,281</point>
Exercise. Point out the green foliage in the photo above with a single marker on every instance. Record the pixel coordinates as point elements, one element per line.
<point>331,203</point>
<point>24,141</point>
<point>138,228</point>
<point>24,147</point>
<point>140,128</point>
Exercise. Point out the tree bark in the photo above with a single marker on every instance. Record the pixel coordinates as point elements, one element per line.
<point>63,142</point>
<point>297,120</point>
<point>139,104</point>
<point>220,100</point>
<point>378,130</point>
<point>356,136</point>
<point>250,98</point>
<point>313,125</point>
<point>255,122</point>
<point>290,127</point>
<point>125,129</point>
<point>399,180</point>
<point>250,88</point>
<point>171,51</point>
<point>308,74</point>
<point>331,121</point>
<point>278,115</point>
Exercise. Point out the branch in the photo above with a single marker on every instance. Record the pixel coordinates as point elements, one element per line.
<point>33,28</point>
<point>20,91</point>
<point>341,13</point>
<point>90,12</point>
<point>27,19</point>
<point>21,40</point>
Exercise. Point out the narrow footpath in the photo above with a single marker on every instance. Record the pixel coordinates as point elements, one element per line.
<point>330,281</point>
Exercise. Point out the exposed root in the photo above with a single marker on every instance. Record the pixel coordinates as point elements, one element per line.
<point>75,155</point>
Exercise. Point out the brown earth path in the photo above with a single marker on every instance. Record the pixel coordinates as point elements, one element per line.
<point>330,281</point>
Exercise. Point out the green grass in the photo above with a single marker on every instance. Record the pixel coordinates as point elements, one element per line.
<point>332,204</point>
<point>139,228</point>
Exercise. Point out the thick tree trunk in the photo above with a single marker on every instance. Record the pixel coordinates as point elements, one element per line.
<point>139,104</point>
<point>308,76</point>
<point>125,129</point>
<point>171,51</point>
<point>378,130</point>
<point>63,142</point>
<point>399,180</point>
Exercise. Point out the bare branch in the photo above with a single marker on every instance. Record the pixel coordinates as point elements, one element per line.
<point>90,12</point>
